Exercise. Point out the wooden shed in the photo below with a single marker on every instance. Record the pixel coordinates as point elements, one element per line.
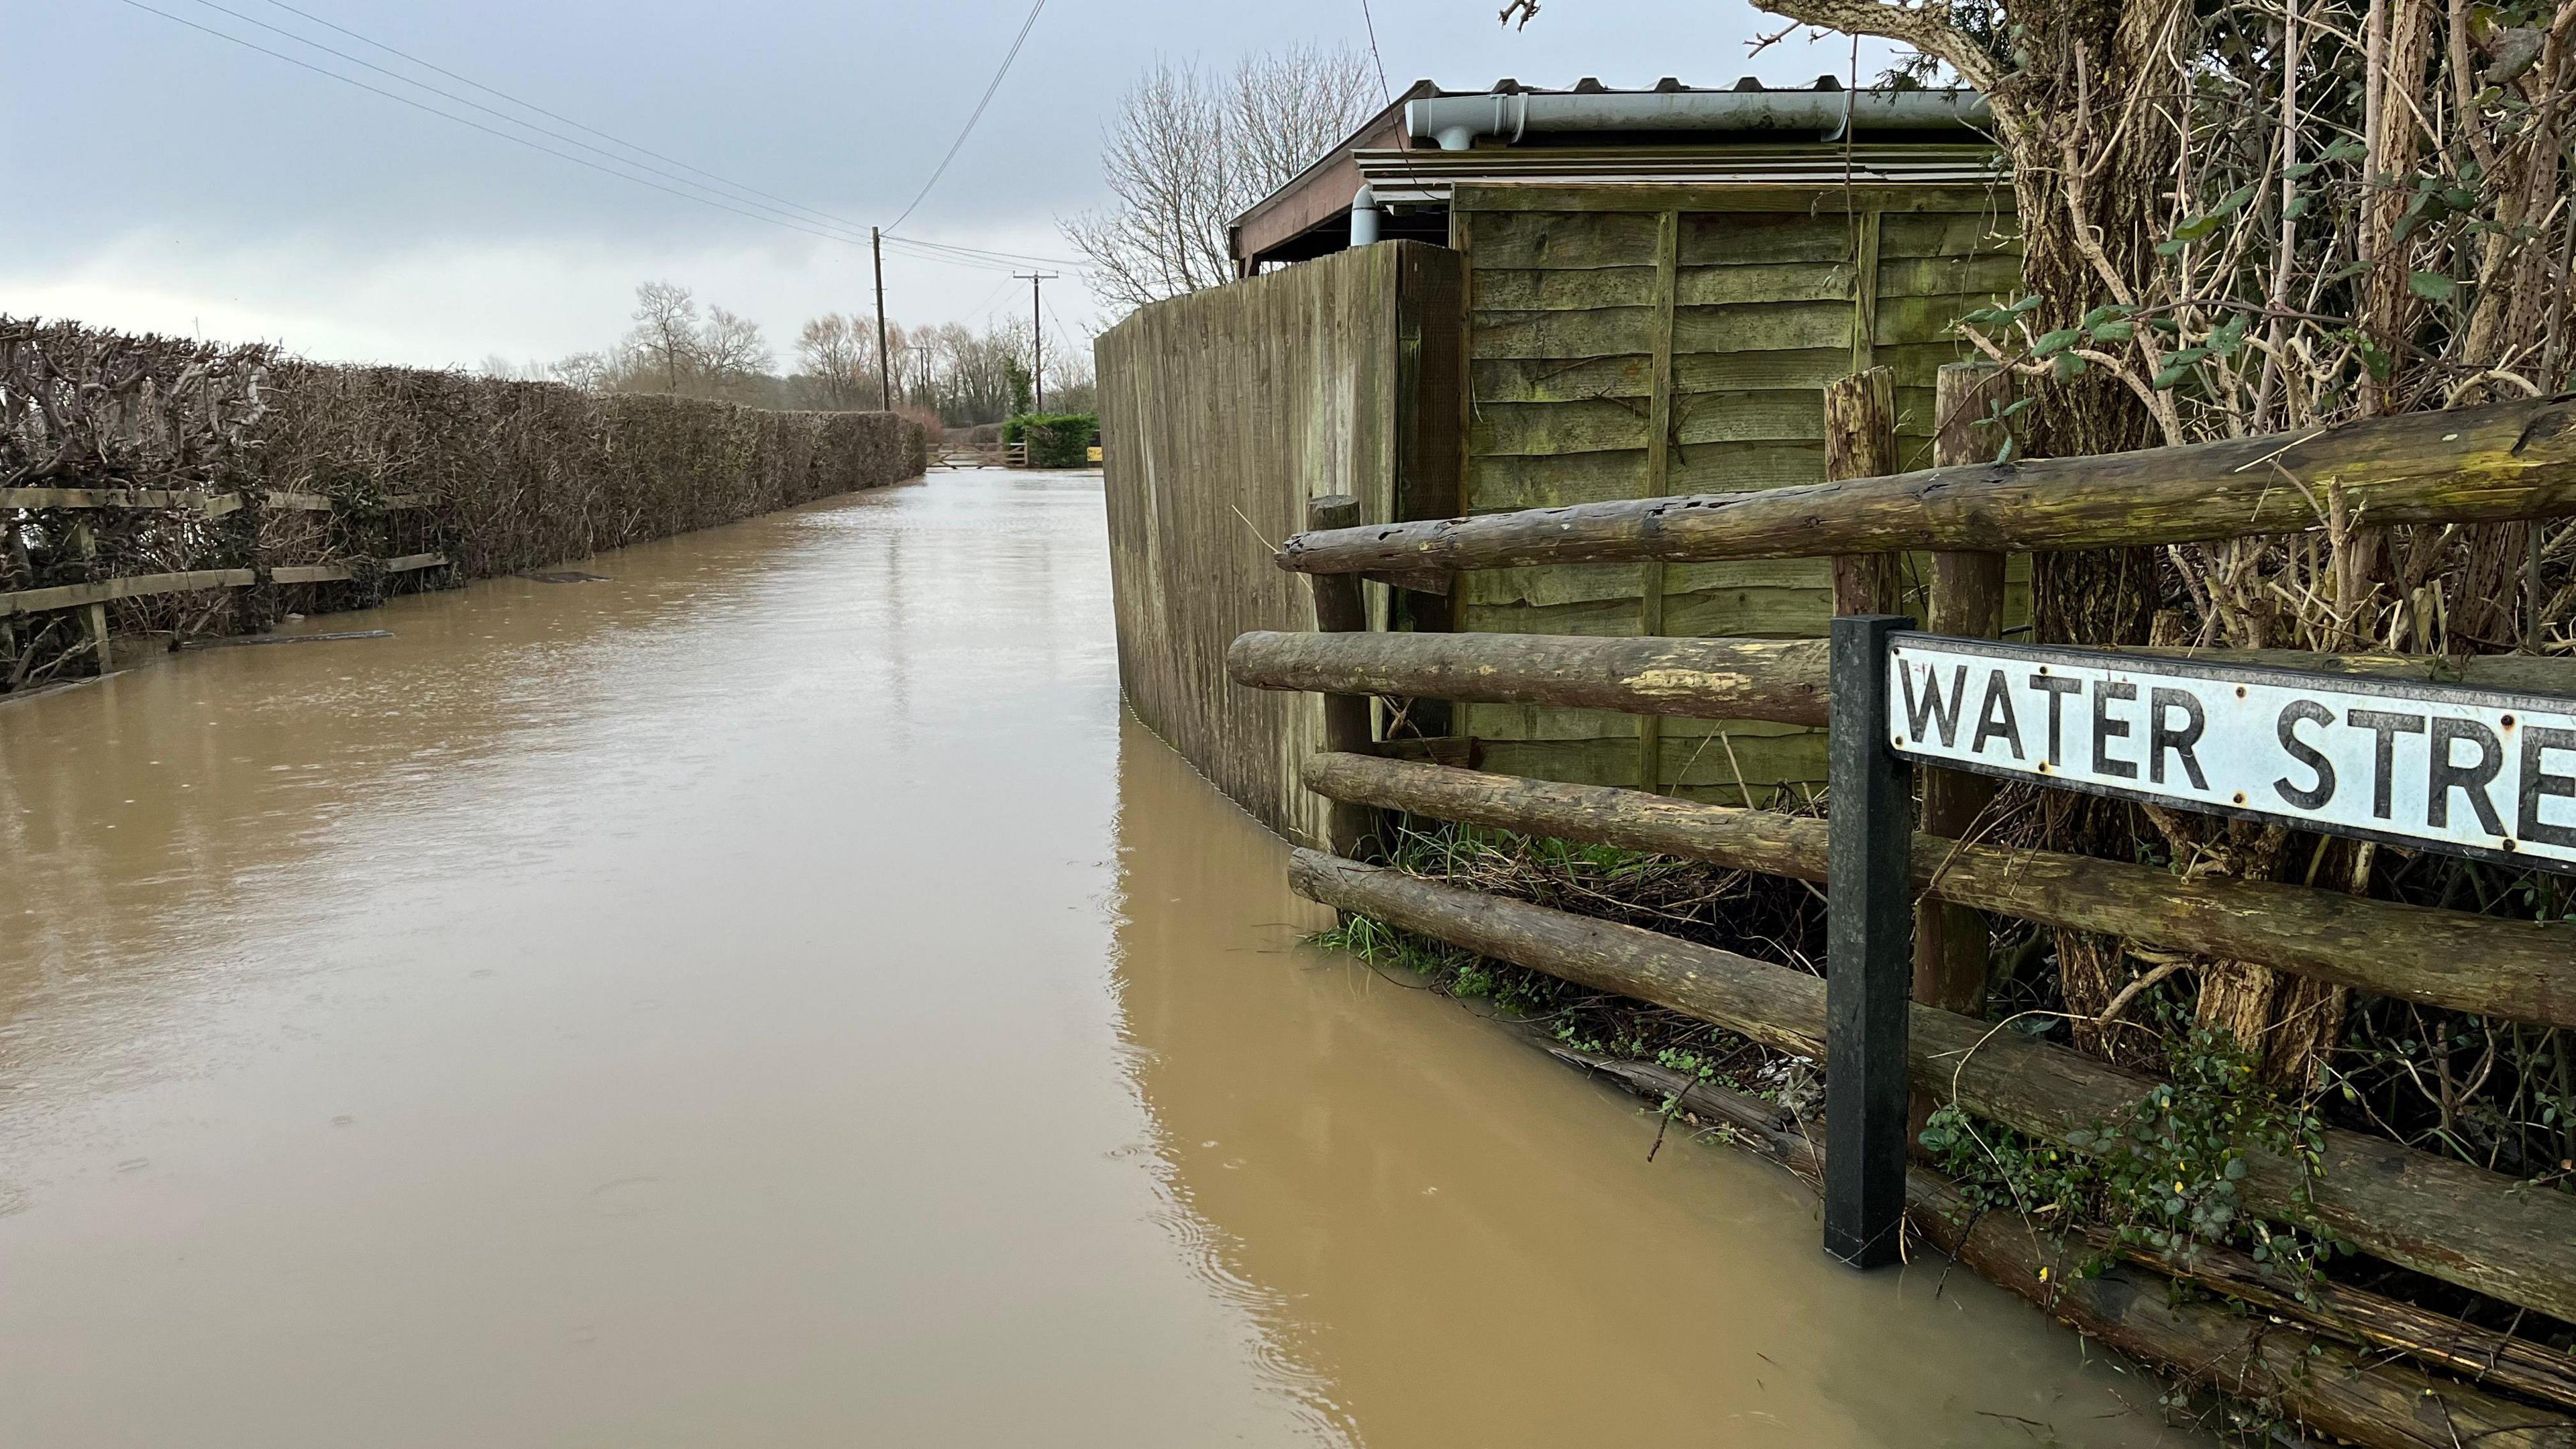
<point>1650,314</point>
<point>1645,302</point>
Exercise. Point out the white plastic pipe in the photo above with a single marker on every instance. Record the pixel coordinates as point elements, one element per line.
<point>1364,216</point>
<point>1456,122</point>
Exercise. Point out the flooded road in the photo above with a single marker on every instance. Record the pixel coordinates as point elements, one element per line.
<point>772,997</point>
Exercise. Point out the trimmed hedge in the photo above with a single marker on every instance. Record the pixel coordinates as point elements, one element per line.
<point>499,476</point>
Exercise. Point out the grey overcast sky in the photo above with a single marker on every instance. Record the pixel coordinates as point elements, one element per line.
<point>160,177</point>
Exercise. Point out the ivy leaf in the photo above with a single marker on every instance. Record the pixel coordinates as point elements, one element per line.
<point>2431,286</point>
<point>2052,343</point>
<point>2104,313</point>
<point>1985,315</point>
<point>2298,206</point>
<point>2179,368</point>
<point>2114,331</point>
<point>2026,304</point>
<point>2346,149</point>
<point>2197,228</point>
<point>2067,364</point>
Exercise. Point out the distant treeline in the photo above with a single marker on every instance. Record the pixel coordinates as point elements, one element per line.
<point>947,375</point>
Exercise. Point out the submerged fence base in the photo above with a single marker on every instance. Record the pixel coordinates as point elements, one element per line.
<point>2328,1383</point>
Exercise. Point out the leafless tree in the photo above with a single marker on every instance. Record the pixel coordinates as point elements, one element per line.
<point>1189,152</point>
<point>971,377</point>
<point>731,351</point>
<point>666,332</point>
<point>838,358</point>
<point>1291,106</point>
<point>589,371</point>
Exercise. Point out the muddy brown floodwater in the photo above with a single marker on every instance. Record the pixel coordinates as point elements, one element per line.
<point>772,997</point>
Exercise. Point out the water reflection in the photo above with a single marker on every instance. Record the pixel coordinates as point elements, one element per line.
<point>770,996</point>
<point>1462,1243</point>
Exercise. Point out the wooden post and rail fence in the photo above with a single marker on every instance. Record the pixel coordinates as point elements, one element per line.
<point>1905,902</point>
<point>92,596</point>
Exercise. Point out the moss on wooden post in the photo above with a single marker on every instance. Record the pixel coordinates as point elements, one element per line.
<point>1659,470</point>
<point>1966,598</point>
<point>1340,609</point>
<point>1860,442</point>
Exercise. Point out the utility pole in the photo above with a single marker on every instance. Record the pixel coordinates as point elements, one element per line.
<point>885,379</point>
<point>1037,337</point>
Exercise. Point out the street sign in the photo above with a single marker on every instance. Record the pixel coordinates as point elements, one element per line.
<point>2476,772</point>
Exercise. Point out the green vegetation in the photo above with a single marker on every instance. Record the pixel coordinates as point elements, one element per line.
<point>2164,1179</point>
<point>1056,440</point>
<point>1684,898</point>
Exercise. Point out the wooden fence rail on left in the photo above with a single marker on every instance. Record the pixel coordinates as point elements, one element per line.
<point>212,505</point>
<point>144,586</point>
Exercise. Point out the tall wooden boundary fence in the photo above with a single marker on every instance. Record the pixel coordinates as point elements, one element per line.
<point>2480,1230</point>
<point>1222,415</point>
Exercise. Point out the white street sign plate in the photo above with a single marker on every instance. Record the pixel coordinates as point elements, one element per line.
<point>2471,771</point>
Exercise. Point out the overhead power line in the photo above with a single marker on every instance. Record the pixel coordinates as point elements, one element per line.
<point>477,125</point>
<point>557,116</point>
<point>505,117</point>
<point>969,129</point>
<point>825,229</point>
<point>983,251</point>
<point>972,256</point>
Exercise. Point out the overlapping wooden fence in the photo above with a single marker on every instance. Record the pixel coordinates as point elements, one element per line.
<point>2464,1225</point>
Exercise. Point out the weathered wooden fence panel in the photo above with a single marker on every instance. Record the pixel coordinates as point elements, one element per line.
<point>1625,348</point>
<point>1222,413</point>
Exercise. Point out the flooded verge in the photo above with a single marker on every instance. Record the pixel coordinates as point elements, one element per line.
<point>769,995</point>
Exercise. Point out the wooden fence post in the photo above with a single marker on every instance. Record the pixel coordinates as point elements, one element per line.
<point>93,616</point>
<point>1340,609</point>
<point>1659,471</point>
<point>1860,442</point>
<point>1966,598</point>
<point>1869,888</point>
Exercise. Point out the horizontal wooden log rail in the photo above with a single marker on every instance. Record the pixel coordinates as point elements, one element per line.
<point>1783,680</point>
<point>132,586</point>
<point>340,573</point>
<point>1768,679</point>
<point>2517,970</point>
<point>86,498</point>
<point>213,505</point>
<point>144,586</point>
<point>2340,1392</point>
<point>2462,1224</point>
<point>2473,465</point>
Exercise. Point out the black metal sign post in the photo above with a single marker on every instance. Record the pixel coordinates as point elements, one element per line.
<point>1869,954</point>
<point>2483,773</point>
